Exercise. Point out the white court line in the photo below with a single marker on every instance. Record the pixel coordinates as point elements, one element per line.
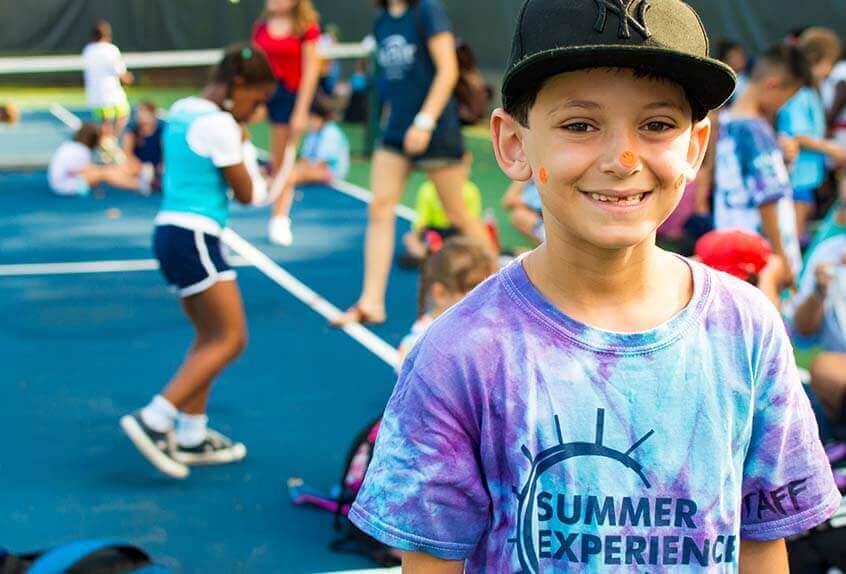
<point>71,268</point>
<point>66,116</point>
<point>366,196</point>
<point>298,289</point>
<point>82,267</point>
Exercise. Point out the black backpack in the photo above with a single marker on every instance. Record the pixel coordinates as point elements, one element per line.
<point>349,539</point>
<point>820,550</point>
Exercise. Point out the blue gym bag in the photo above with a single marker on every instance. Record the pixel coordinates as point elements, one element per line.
<point>101,556</point>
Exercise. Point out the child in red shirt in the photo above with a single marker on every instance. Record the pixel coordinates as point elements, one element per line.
<point>287,33</point>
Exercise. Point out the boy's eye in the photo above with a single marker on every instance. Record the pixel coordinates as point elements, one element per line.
<point>580,127</point>
<point>658,126</point>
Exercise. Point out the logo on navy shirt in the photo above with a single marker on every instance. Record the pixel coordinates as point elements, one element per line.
<point>396,55</point>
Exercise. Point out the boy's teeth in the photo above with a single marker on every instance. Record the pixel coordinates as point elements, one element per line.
<point>631,200</point>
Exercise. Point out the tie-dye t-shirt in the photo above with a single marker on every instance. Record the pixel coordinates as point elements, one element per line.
<point>749,173</point>
<point>534,443</point>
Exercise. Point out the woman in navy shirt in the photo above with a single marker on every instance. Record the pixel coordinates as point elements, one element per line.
<point>416,54</point>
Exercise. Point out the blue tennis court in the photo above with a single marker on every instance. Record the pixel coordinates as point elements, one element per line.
<point>89,332</point>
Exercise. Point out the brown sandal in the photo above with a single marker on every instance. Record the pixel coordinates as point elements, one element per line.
<point>356,314</point>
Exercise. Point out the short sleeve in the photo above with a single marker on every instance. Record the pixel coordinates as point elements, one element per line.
<point>788,485</point>
<point>118,65</point>
<point>763,167</point>
<point>433,18</point>
<point>424,491</point>
<point>312,33</point>
<point>218,137</point>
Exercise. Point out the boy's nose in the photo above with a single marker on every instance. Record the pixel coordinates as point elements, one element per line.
<point>623,163</point>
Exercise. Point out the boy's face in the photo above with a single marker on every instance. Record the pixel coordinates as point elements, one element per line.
<point>611,154</point>
<point>146,119</point>
<point>777,89</point>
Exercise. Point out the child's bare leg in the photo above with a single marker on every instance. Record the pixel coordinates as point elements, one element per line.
<point>828,381</point>
<point>282,207</point>
<point>449,182</point>
<point>120,176</point>
<point>524,220</point>
<point>218,318</point>
<point>413,244</point>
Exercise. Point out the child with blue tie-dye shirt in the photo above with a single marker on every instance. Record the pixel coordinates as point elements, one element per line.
<point>752,188</point>
<point>601,405</point>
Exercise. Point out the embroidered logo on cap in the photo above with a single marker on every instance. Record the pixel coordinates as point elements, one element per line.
<point>624,10</point>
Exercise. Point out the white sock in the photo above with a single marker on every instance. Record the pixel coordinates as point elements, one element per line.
<point>191,429</point>
<point>159,415</point>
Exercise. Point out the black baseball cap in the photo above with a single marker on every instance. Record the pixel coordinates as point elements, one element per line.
<point>661,37</point>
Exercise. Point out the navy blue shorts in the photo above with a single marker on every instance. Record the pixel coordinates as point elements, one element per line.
<point>446,148</point>
<point>280,106</point>
<point>190,260</point>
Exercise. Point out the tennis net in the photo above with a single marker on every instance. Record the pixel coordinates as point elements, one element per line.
<point>48,91</point>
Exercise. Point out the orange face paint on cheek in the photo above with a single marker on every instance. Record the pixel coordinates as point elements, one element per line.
<point>628,159</point>
<point>542,175</point>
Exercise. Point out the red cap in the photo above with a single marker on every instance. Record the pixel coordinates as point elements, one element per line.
<point>739,253</point>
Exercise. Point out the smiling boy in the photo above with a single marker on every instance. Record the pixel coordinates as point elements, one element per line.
<point>608,406</point>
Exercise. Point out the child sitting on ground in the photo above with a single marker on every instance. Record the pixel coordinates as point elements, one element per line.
<point>73,172</point>
<point>523,203</point>
<point>432,223</point>
<point>446,277</point>
<point>324,157</point>
<point>142,144</point>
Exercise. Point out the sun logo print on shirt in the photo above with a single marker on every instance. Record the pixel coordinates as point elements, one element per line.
<point>589,531</point>
<point>551,457</point>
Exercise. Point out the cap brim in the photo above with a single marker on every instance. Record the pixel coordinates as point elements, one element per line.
<point>708,82</point>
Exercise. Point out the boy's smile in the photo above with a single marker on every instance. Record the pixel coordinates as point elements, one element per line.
<point>617,148</point>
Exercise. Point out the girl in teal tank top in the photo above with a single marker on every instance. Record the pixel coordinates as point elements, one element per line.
<point>204,157</point>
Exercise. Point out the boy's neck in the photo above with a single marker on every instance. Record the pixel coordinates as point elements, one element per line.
<point>748,103</point>
<point>628,290</point>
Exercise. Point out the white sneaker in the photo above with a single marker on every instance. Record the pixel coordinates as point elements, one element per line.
<point>215,449</point>
<point>279,231</point>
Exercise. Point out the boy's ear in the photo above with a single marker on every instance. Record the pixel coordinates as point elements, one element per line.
<point>507,135</point>
<point>700,137</point>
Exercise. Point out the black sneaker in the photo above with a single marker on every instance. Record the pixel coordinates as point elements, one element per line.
<point>155,446</point>
<point>215,449</point>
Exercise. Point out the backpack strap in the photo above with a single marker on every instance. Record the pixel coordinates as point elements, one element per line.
<point>65,556</point>
<point>346,498</point>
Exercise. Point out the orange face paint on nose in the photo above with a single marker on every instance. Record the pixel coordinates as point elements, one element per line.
<point>628,159</point>
<point>542,175</point>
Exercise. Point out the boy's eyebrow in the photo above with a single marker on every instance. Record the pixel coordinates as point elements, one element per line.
<point>664,104</point>
<point>584,104</point>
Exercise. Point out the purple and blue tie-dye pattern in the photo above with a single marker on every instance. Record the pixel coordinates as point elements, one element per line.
<point>533,443</point>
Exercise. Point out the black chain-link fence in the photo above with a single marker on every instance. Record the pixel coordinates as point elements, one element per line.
<point>45,26</point>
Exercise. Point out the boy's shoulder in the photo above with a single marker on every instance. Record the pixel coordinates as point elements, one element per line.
<point>733,297</point>
<point>748,133</point>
